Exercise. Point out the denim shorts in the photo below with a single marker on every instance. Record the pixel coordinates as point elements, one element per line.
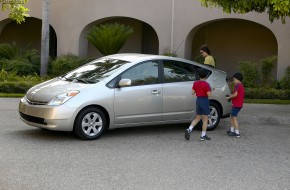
<point>202,106</point>
<point>235,111</point>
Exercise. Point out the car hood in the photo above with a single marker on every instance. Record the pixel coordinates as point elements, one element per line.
<point>44,92</point>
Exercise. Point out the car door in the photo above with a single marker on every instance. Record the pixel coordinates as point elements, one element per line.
<point>178,101</point>
<point>142,101</point>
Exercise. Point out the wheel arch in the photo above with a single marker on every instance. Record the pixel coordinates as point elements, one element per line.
<point>94,106</point>
<point>220,107</point>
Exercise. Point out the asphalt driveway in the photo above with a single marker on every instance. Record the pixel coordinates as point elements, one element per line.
<point>154,157</point>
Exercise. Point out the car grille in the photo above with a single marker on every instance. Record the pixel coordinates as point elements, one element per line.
<point>36,102</point>
<point>33,119</point>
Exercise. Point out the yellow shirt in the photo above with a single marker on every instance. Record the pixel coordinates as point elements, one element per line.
<point>209,60</point>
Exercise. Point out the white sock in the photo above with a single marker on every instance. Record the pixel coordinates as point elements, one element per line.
<point>190,128</point>
<point>203,133</point>
<point>237,132</point>
<point>232,129</point>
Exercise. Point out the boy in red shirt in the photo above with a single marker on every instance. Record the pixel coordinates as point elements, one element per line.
<point>237,98</point>
<point>202,90</point>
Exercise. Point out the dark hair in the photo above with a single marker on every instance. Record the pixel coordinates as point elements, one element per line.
<point>205,49</point>
<point>202,72</point>
<point>238,76</point>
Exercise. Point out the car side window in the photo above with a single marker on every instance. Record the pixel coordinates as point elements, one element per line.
<point>208,71</point>
<point>176,71</point>
<point>142,74</point>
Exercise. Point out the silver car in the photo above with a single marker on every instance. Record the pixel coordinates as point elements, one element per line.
<point>123,90</point>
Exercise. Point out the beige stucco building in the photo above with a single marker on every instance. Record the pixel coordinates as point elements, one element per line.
<point>180,26</point>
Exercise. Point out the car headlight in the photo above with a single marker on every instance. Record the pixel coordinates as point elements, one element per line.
<point>62,98</point>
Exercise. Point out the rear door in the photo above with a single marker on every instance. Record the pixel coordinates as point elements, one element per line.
<point>178,101</point>
<point>142,101</point>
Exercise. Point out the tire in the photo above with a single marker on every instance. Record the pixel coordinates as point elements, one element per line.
<point>214,118</point>
<point>90,124</point>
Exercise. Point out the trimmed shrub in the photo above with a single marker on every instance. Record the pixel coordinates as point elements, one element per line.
<point>16,87</point>
<point>21,66</point>
<point>250,72</point>
<point>10,82</point>
<point>66,63</point>
<point>285,81</point>
<point>267,93</point>
<point>267,66</point>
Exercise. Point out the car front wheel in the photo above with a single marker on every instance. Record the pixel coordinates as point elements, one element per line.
<point>90,124</point>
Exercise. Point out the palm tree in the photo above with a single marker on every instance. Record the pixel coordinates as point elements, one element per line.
<point>44,37</point>
<point>109,38</point>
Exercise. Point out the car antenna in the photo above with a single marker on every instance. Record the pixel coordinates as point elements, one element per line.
<point>174,52</point>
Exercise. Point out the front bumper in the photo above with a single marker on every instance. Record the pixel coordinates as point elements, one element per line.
<point>58,118</point>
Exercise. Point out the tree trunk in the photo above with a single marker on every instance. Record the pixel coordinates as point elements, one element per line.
<point>44,37</point>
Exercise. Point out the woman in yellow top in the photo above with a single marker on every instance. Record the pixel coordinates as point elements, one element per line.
<point>208,59</point>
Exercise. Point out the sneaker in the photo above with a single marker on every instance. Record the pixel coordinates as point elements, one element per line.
<point>233,134</point>
<point>187,134</point>
<point>205,137</point>
<point>229,131</point>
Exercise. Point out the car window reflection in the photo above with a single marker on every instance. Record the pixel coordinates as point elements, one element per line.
<point>142,74</point>
<point>95,71</point>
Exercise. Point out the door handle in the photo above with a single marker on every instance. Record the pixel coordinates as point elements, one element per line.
<point>155,92</point>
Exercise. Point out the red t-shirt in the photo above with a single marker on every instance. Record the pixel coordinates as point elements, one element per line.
<point>239,99</point>
<point>201,88</point>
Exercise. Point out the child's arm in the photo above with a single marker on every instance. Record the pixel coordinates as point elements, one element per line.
<point>193,92</point>
<point>208,93</point>
<point>233,95</point>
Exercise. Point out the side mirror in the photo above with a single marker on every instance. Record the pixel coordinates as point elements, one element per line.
<point>125,82</point>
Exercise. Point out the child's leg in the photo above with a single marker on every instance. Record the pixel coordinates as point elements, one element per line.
<point>204,128</point>
<point>192,125</point>
<point>204,122</point>
<point>236,125</point>
<point>232,129</point>
<point>194,122</point>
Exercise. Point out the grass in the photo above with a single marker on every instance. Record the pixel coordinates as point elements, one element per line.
<point>249,101</point>
<point>11,95</point>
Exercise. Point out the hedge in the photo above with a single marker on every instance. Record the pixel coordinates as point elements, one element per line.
<point>16,87</point>
<point>267,93</point>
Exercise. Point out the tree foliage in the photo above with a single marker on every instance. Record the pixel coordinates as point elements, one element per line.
<point>16,8</point>
<point>109,38</point>
<point>276,9</point>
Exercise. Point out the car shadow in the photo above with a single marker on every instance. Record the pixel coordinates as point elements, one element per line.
<point>44,135</point>
<point>146,130</point>
<point>48,135</point>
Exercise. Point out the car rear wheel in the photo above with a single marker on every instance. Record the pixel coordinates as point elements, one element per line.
<point>214,117</point>
<point>90,123</point>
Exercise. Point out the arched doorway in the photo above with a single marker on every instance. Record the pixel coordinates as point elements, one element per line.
<point>144,39</point>
<point>27,35</point>
<point>232,41</point>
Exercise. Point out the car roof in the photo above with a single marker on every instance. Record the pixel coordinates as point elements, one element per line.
<point>138,57</point>
<point>132,57</point>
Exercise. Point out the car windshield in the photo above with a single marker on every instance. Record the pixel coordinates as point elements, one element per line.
<point>94,71</point>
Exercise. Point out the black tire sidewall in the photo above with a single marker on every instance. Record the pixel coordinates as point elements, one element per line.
<point>215,105</point>
<point>78,128</point>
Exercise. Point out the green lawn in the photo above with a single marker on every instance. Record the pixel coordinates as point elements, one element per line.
<point>11,95</point>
